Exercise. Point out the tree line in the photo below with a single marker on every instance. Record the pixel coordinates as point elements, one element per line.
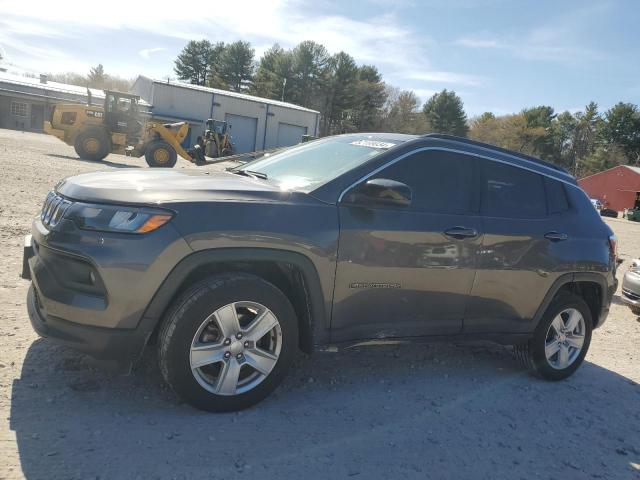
<point>352,97</point>
<point>583,142</point>
<point>96,78</point>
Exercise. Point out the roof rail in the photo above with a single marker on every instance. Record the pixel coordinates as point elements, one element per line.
<point>523,156</point>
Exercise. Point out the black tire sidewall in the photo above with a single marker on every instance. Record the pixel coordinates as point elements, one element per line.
<point>537,344</point>
<point>98,135</point>
<point>197,304</point>
<point>150,150</point>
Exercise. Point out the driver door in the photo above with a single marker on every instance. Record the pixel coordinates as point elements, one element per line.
<point>406,271</point>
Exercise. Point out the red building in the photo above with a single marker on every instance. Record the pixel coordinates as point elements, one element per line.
<point>617,188</point>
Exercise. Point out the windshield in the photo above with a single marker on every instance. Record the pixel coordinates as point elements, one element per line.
<point>313,164</point>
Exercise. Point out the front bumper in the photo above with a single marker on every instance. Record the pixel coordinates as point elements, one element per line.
<point>90,290</point>
<point>113,349</point>
<point>116,349</point>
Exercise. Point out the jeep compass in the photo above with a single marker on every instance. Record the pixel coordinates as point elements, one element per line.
<point>347,240</point>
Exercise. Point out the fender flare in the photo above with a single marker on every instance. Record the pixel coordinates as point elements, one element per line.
<point>171,285</point>
<point>571,278</point>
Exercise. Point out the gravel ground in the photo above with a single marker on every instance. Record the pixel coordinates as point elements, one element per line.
<point>443,410</point>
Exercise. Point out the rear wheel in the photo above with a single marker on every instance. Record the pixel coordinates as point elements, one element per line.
<point>160,154</point>
<point>561,340</point>
<point>228,342</point>
<point>92,145</point>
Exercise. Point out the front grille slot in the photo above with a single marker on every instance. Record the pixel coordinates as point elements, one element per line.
<point>53,209</point>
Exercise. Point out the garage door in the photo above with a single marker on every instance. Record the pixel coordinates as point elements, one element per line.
<point>290,134</point>
<point>243,132</point>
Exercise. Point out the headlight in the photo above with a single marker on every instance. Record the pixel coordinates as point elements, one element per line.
<point>635,266</point>
<point>117,218</point>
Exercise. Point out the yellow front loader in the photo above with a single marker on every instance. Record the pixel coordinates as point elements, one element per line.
<point>118,127</point>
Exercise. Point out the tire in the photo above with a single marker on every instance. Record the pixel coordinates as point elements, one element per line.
<point>92,144</point>
<point>160,154</point>
<point>533,354</point>
<point>186,326</point>
<point>635,311</point>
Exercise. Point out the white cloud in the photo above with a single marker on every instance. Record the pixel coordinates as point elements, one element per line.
<point>537,45</point>
<point>424,94</point>
<point>565,38</point>
<point>448,78</point>
<point>146,52</point>
<point>473,42</point>
<point>378,39</point>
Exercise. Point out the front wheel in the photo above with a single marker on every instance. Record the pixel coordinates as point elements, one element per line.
<point>561,340</point>
<point>160,154</point>
<point>228,342</point>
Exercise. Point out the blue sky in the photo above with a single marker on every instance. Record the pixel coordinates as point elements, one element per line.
<point>499,55</point>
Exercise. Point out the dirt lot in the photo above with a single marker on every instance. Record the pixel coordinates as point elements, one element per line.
<point>440,411</point>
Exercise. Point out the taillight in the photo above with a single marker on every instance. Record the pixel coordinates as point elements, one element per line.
<point>613,246</point>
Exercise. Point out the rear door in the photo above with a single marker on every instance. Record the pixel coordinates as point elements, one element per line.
<point>522,250</point>
<point>408,271</point>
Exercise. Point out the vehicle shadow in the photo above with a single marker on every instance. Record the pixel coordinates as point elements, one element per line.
<point>441,410</point>
<point>101,162</point>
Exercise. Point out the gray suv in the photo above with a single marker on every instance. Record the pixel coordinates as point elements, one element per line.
<point>348,240</point>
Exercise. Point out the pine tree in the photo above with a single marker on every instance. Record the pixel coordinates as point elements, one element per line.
<point>194,62</point>
<point>445,114</point>
<point>97,78</point>
<point>236,66</point>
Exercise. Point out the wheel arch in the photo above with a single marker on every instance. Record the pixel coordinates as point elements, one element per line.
<point>293,273</point>
<point>592,287</point>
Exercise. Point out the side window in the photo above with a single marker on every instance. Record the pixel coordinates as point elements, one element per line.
<point>111,103</point>
<point>512,192</point>
<point>556,196</point>
<point>441,182</point>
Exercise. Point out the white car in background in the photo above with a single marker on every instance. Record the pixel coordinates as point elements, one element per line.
<point>631,287</point>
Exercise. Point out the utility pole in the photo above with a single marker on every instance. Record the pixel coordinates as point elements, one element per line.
<point>284,84</point>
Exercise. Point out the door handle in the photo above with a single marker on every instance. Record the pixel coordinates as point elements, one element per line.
<point>461,232</point>
<point>556,236</point>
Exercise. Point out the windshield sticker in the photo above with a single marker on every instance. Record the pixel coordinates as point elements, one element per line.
<point>373,144</point>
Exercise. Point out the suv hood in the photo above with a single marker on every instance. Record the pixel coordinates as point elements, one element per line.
<point>165,186</point>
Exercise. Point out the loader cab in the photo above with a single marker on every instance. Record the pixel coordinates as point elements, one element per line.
<point>217,126</point>
<point>121,113</point>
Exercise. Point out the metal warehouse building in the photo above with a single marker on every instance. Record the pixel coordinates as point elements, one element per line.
<point>255,123</point>
<point>617,188</point>
<point>26,102</point>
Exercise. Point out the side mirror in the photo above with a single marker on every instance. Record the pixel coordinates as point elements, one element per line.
<point>381,191</point>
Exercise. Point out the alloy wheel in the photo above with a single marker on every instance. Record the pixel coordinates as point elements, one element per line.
<point>235,348</point>
<point>565,338</point>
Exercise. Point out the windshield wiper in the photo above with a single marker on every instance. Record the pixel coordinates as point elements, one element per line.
<point>249,173</point>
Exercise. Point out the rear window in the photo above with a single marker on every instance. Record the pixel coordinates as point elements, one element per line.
<point>512,192</point>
